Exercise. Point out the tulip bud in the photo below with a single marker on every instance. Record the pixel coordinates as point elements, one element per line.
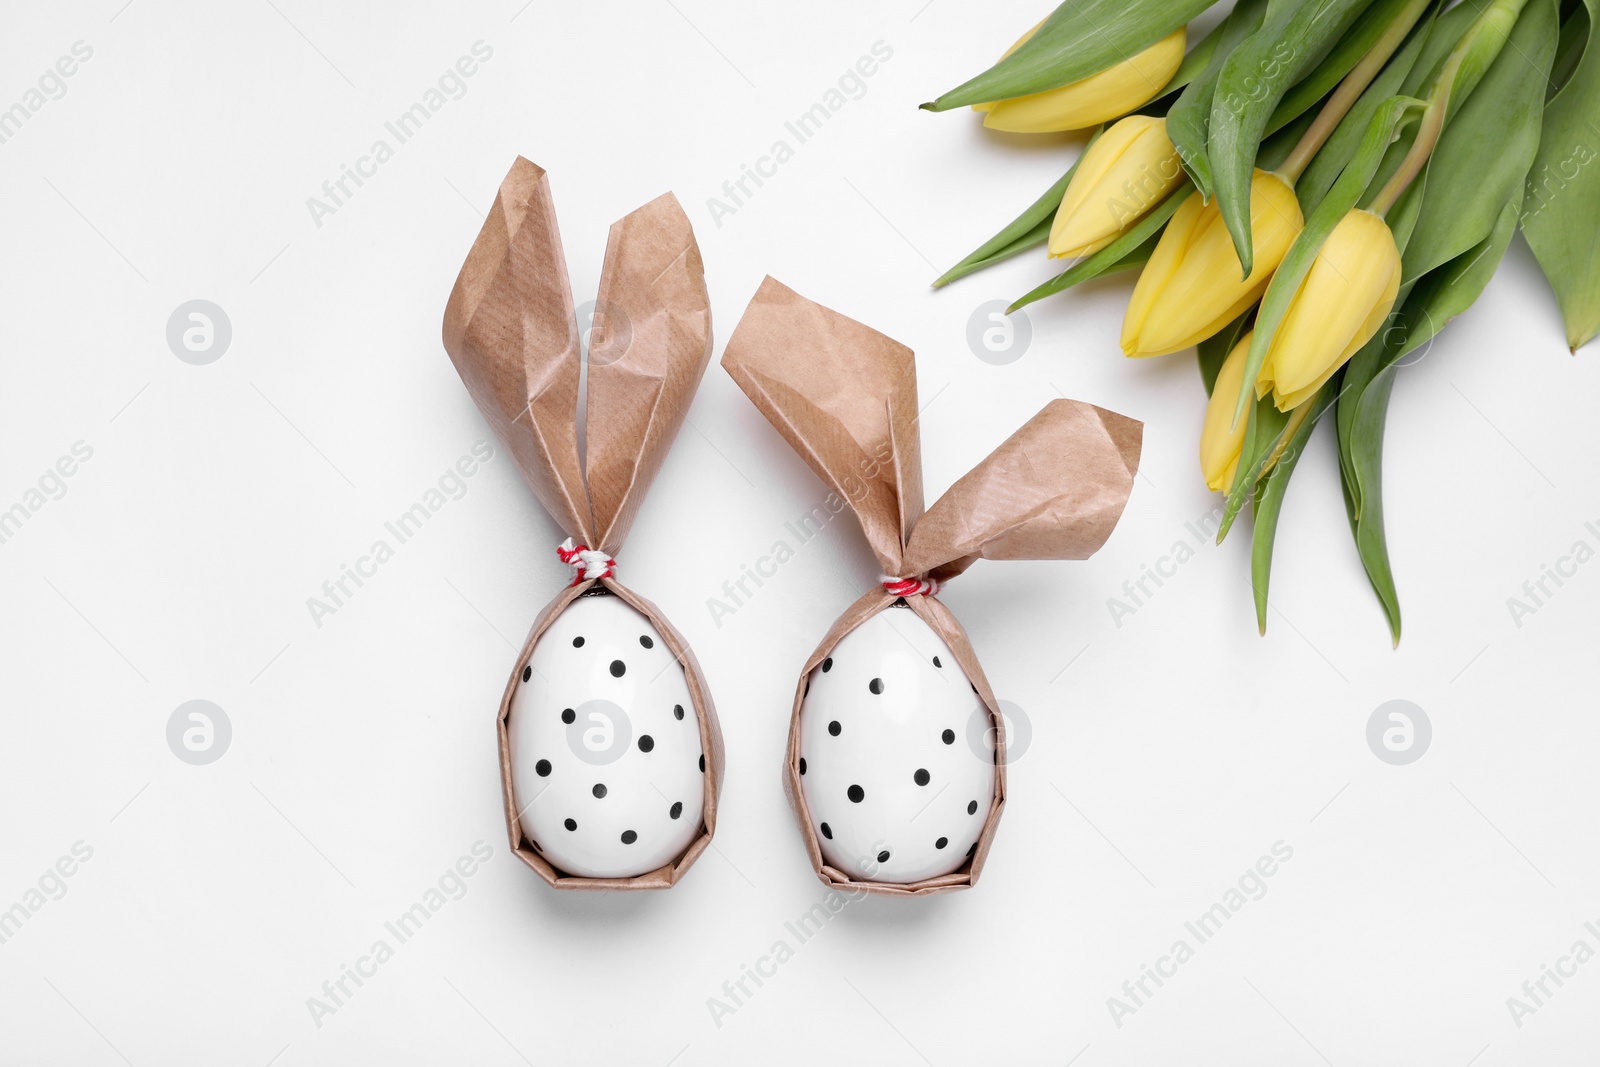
<point>1345,297</point>
<point>1220,439</point>
<point>1191,288</point>
<point>1129,170</point>
<point>1098,98</point>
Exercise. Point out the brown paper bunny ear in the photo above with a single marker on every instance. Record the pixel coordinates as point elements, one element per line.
<point>647,354</point>
<point>845,398</point>
<point>1054,490</point>
<point>510,330</point>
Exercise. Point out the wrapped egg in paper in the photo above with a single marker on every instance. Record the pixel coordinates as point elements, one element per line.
<point>892,792</point>
<point>886,766</point>
<point>606,761</point>
<point>610,753</point>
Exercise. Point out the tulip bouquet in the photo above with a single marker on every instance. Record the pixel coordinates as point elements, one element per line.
<point>1309,194</point>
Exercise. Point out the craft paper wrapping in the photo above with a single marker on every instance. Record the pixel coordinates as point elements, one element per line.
<point>512,333</point>
<point>845,398</point>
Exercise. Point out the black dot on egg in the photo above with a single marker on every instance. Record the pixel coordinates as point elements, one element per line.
<point>802,765</point>
<point>542,768</point>
<point>827,832</point>
<point>571,824</point>
<point>568,716</point>
<point>702,763</point>
<point>676,809</point>
<point>827,665</point>
<point>936,662</point>
<point>677,712</point>
<point>948,737</point>
<point>644,639</point>
<point>883,857</point>
<point>577,642</point>
<point>834,728</point>
<point>876,685</point>
<point>618,668</point>
<point>972,808</point>
<point>646,743</point>
<point>856,794</point>
<point>943,841</point>
<point>921,777</point>
<point>629,837</point>
<point>599,790</point>
<point>527,672</point>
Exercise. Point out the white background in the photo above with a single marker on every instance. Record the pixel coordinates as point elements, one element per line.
<point>1168,754</point>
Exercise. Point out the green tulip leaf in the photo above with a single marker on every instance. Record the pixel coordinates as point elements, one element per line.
<point>1137,240</point>
<point>1434,300</point>
<point>1562,221</point>
<point>1028,230</point>
<point>1485,152</point>
<point>1447,291</point>
<point>1358,373</point>
<point>1195,61</point>
<point>1335,153</point>
<point>1040,234</point>
<point>1367,455</point>
<point>1349,50</point>
<point>1302,254</point>
<point>1189,117</point>
<point>1081,37</point>
<point>1292,40</point>
<point>1214,350</point>
<point>1269,502</point>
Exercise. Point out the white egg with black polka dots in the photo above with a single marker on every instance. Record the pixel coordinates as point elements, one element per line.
<point>895,767</point>
<point>606,764</point>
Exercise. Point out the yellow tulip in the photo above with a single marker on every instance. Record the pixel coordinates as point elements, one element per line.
<point>1098,98</point>
<point>1127,171</point>
<point>1191,288</point>
<point>1220,439</point>
<point>1344,298</point>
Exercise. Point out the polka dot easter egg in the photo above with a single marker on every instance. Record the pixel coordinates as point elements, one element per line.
<point>607,768</point>
<point>894,789</point>
<point>610,752</point>
<point>889,763</point>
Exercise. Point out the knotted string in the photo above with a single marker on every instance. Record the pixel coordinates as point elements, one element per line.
<point>911,586</point>
<point>586,563</point>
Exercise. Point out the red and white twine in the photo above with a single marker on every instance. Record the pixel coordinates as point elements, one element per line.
<point>911,586</point>
<point>586,563</point>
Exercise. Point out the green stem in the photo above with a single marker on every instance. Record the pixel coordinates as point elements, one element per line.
<point>1350,89</point>
<point>1427,138</point>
